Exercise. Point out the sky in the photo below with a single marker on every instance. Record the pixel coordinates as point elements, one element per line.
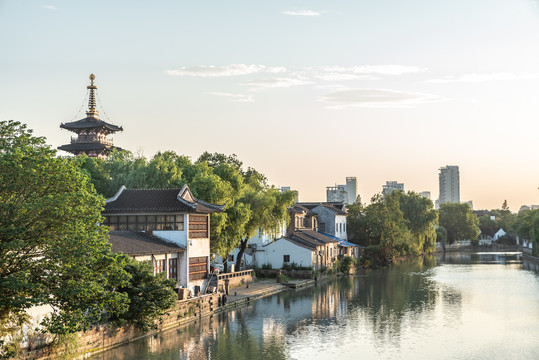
<point>306,92</point>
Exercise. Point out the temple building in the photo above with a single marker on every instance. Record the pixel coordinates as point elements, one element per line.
<point>91,131</point>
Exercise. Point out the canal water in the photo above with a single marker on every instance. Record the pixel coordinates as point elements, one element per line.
<point>456,306</point>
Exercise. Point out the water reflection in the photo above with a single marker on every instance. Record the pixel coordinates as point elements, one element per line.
<point>447,306</point>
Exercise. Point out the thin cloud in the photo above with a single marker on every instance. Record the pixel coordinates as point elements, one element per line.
<point>375,69</point>
<point>478,78</point>
<point>49,7</point>
<point>376,98</point>
<point>310,13</point>
<point>271,83</point>
<point>221,71</point>
<point>234,97</point>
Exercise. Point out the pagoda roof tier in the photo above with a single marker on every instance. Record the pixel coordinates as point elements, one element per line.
<point>90,123</point>
<point>94,146</point>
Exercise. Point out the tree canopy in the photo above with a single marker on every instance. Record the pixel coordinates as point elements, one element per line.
<point>400,223</point>
<point>460,222</point>
<point>250,203</point>
<point>52,248</point>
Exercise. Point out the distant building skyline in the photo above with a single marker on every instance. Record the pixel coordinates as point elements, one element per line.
<point>346,193</point>
<point>425,194</point>
<point>449,185</point>
<point>391,186</point>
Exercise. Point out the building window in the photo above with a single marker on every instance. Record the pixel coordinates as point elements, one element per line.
<point>198,226</point>
<point>198,268</point>
<point>173,268</point>
<point>160,266</point>
<point>344,227</point>
<point>286,258</point>
<point>231,258</point>
<point>144,222</point>
<point>322,226</point>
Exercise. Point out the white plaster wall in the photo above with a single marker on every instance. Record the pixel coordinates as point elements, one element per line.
<point>175,236</point>
<point>183,268</point>
<point>273,254</point>
<point>199,247</point>
<point>340,221</point>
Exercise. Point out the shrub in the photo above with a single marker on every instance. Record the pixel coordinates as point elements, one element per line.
<point>267,266</point>
<point>283,279</point>
<point>507,240</point>
<point>346,263</point>
<point>294,266</point>
<point>377,255</point>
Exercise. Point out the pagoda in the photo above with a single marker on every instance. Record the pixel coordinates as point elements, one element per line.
<point>91,131</point>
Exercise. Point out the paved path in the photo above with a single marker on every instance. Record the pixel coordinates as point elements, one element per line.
<point>255,290</point>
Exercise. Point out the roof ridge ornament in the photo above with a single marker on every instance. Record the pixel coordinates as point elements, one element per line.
<point>92,112</point>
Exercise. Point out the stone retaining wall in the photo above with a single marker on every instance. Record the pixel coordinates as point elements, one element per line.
<point>104,337</point>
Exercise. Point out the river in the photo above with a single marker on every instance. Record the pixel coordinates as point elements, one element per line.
<point>457,306</point>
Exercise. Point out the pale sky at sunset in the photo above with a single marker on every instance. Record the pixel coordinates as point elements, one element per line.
<point>306,92</point>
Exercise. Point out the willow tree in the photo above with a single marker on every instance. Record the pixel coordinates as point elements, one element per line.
<point>421,219</point>
<point>269,207</point>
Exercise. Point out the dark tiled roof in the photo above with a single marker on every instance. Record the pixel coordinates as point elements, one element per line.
<point>87,147</point>
<point>311,237</point>
<point>335,209</point>
<point>156,200</point>
<point>90,123</point>
<point>335,206</point>
<point>303,244</point>
<point>139,243</point>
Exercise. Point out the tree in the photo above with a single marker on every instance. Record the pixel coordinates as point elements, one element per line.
<point>269,208</point>
<point>504,206</point>
<point>52,248</point>
<point>487,226</point>
<point>421,219</point>
<point>149,296</point>
<point>460,222</point>
<point>534,232</point>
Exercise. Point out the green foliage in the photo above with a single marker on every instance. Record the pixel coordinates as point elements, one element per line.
<point>534,233</point>
<point>460,222</point>
<point>51,245</point>
<point>441,234</point>
<point>294,266</point>
<point>282,278</point>
<point>487,226</point>
<point>506,239</point>
<point>267,266</point>
<point>53,250</point>
<point>404,223</point>
<point>149,296</point>
<point>345,264</point>
<point>377,256</point>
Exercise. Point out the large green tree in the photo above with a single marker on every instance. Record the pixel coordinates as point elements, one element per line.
<point>421,219</point>
<point>52,248</point>
<point>460,222</point>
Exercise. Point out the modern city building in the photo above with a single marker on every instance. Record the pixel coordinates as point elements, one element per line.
<point>343,193</point>
<point>391,186</point>
<point>91,131</point>
<point>449,185</point>
<point>425,194</point>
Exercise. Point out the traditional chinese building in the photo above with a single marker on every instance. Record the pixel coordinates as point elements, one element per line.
<point>91,131</point>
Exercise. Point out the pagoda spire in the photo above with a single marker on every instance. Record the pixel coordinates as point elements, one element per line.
<point>91,99</point>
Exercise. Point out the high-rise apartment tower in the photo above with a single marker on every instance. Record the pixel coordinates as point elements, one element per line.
<point>449,185</point>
